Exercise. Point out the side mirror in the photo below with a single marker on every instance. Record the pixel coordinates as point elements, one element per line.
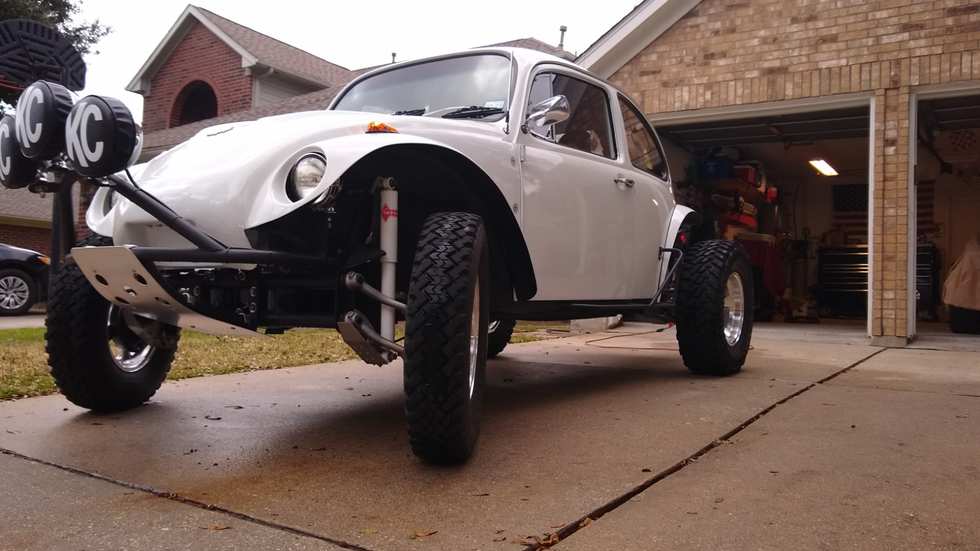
<point>550,111</point>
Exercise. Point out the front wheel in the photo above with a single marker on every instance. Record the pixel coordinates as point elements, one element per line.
<point>446,337</point>
<point>18,291</point>
<point>714,308</point>
<point>98,362</point>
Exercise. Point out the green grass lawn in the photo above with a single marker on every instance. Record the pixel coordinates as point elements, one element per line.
<point>24,369</point>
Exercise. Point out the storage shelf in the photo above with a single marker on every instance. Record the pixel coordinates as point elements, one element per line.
<point>747,191</point>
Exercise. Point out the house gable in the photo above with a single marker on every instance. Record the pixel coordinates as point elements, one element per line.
<point>199,57</point>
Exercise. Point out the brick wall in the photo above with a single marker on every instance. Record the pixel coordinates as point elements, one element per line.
<point>36,239</point>
<point>736,52</point>
<point>200,56</point>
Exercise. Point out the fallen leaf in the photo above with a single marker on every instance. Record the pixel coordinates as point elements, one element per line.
<point>480,495</point>
<point>318,449</point>
<point>425,533</point>
<point>719,499</point>
<point>234,407</point>
<point>645,470</point>
<point>558,525</point>
<point>369,531</point>
<point>212,417</point>
<point>500,539</point>
<point>217,527</point>
<point>585,522</point>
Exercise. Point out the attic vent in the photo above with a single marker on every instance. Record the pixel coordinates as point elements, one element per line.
<point>196,102</point>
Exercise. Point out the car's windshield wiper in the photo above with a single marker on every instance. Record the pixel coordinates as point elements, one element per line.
<point>411,112</point>
<point>473,112</point>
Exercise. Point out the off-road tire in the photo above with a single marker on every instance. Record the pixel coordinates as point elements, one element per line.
<point>701,293</point>
<point>78,349</point>
<point>497,339</point>
<point>449,282</point>
<point>12,275</point>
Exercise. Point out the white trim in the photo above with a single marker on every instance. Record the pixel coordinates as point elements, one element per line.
<point>633,33</point>
<point>141,82</point>
<point>943,91</point>
<point>912,245</point>
<point>786,107</point>
<point>872,137</point>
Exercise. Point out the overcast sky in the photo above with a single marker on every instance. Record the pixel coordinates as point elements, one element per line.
<point>352,34</point>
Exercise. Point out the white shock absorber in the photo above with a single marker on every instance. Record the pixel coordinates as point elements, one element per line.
<point>389,244</point>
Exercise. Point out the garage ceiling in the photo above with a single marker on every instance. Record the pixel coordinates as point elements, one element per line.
<point>950,114</point>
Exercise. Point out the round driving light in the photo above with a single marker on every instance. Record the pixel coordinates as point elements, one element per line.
<point>40,120</point>
<point>305,176</point>
<point>102,137</point>
<point>16,170</point>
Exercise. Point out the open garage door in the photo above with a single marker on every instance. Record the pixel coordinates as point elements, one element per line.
<point>948,177</point>
<point>754,179</point>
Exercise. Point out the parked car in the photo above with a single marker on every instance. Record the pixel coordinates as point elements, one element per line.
<point>23,279</point>
<point>457,193</point>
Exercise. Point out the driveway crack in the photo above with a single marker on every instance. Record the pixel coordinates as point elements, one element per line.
<point>189,501</point>
<point>595,514</point>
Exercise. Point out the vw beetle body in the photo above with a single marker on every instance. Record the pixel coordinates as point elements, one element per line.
<point>457,193</point>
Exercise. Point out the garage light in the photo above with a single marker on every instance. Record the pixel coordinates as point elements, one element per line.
<point>823,167</point>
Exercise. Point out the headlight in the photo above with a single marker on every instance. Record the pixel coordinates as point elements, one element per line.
<point>305,176</point>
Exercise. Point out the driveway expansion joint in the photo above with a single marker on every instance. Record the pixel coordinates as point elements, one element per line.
<point>189,501</point>
<point>596,514</point>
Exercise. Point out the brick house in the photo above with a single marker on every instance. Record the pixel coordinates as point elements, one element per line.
<point>886,90</point>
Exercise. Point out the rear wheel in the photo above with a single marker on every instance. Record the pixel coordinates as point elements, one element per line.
<point>446,337</point>
<point>714,308</point>
<point>98,362</point>
<point>499,334</point>
<point>18,292</point>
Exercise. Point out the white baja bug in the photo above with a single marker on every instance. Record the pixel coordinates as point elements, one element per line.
<point>458,193</point>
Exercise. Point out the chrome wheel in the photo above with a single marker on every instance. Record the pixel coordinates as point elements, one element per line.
<point>733,313</point>
<point>128,351</point>
<point>493,326</point>
<point>14,293</point>
<point>474,337</point>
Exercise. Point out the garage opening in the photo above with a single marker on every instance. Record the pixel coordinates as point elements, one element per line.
<point>947,175</point>
<point>794,190</point>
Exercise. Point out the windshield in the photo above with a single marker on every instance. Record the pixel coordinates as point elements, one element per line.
<point>473,86</point>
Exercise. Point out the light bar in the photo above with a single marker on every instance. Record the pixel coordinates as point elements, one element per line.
<point>823,167</point>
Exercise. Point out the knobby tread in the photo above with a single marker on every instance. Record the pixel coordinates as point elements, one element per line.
<point>78,349</point>
<point>701,292</point>
<point>498,340</point>
<point>443,420</point>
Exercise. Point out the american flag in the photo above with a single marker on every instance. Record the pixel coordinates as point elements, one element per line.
<point>851,207</point>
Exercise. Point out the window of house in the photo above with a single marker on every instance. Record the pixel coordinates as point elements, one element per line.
<point>643,148</point>
<point>196,102</point>
<point>588,127</point>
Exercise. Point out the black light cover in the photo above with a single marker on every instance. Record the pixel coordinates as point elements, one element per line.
<point>16,170</point>
<point>41,113</point>
<point>101,136</point>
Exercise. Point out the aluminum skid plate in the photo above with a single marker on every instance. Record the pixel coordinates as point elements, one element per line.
<point>121,278</point>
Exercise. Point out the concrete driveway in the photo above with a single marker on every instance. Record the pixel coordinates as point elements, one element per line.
<point>595,441</point>
<point>34,318</point>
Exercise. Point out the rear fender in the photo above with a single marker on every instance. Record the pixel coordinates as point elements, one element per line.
<point>681,219</point>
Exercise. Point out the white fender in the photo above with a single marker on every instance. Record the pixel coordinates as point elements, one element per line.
<point>678,216</point>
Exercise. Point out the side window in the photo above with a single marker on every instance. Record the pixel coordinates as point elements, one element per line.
<point>644,152</point>
<point>588,126</point>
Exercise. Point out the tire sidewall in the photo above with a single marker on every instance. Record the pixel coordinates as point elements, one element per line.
<point>739,264</point>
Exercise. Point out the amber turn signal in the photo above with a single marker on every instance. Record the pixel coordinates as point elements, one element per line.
<point>375,127</point>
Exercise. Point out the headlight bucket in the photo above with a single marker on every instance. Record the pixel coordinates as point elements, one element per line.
<point>305,176</point>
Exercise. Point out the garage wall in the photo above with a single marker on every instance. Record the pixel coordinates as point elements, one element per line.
<point>737,52</point>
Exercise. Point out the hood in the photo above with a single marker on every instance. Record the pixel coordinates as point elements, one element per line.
<point>230,177</point>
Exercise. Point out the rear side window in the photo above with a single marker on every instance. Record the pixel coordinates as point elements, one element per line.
<point>643,148</point>
<point>588,127</point>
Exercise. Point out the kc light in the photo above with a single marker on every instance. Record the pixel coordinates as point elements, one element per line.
<point>305,176</point>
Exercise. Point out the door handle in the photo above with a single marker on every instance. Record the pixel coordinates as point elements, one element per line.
<point>628,182</point>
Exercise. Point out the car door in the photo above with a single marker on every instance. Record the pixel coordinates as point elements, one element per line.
<point>653,197</point>
<point>578,214</point>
